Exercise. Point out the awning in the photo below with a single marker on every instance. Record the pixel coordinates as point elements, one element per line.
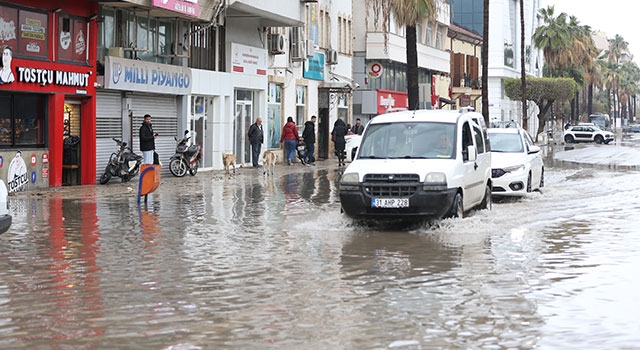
<point>336,86</point>
<point>443,100</point>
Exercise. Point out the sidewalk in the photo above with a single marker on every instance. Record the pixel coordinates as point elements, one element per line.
<point>614,157</point>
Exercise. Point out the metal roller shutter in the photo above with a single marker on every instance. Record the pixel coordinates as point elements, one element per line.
<point>108,125</point>
<point>164,113</point>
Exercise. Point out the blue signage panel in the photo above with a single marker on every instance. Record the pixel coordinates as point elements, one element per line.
<point>134,75</point>
<point>314,67</point>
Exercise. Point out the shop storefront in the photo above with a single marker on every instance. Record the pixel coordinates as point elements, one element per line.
<point>47,95</point>
<point>131,89</point>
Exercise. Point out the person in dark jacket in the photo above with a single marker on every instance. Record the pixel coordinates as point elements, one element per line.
<point>358,129</point>
<point>147,140</point>
<point>290,139</point>
<point>256,138</point>
<point>309,138</point>
<point>337,135</point>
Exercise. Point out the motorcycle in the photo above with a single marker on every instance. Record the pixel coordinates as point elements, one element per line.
<point>123,163</point>
<point>186,157</point>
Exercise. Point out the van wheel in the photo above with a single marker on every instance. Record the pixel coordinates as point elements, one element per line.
<point>568,139</point>
<point>457,210</point>
<point>599,139</point>
<point>487,201</point>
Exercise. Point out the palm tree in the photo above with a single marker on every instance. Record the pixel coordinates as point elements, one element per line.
<point>554,38</point>
<point>485,61</point>
<point>408,13</point>
<point>523,69</point>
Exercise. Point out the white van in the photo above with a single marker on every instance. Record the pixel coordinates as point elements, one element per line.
<point>417,165</point>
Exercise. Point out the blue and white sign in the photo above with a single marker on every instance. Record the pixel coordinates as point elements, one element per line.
<point>134,75</point>
<point>314,67</point>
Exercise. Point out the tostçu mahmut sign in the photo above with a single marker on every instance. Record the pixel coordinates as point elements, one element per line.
<point>51,76</point>
<point>135,75</point>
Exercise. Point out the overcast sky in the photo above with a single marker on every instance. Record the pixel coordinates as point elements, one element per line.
<point>610,16</point>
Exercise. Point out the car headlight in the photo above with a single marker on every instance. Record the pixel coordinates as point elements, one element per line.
<point>435,182</point>
<point>349,182</point>
<point>516,169</point>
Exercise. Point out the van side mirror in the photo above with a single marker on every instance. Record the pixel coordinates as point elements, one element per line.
<point>534,149</point>
<point>472,153</point>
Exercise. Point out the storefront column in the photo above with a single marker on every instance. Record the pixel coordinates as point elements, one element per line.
<point>56,139</point>
<point>88,142</point>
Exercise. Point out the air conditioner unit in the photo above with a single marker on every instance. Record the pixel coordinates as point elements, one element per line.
<point>298,52</point>
<point>276,44</point>
<point>116,51</point>
<point>332,57</point>
<point>310,48</point>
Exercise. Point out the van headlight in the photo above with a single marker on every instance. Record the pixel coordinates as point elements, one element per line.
<point>349,182</point>
<point>435,182</point>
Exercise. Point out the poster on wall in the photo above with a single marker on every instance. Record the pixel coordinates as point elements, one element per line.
<point>8,24</point>
<point>33,34</point>
<point>17,177</point>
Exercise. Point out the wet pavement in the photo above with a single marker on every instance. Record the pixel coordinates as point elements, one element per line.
<point>254,261</point>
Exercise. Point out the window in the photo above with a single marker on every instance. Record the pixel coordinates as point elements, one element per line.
<point>22,119</point>
<point>274,113</point>
<point>24,31</point>
<point>72,40</point>
<point>301,104</point>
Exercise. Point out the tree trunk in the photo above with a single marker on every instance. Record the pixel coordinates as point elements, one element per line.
<point>590,100</point>
<point>523,70</point>
<point>412,67</point>
<point>485,61</point>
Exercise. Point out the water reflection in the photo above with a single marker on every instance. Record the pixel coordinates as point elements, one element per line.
<point>259,262</point>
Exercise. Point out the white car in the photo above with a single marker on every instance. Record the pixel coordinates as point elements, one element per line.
<point>351,146</point>
<point>516,162</point>
<point>418,165</point>
<point>587,132</point>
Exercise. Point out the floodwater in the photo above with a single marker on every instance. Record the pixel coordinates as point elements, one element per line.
<point>270,263</point>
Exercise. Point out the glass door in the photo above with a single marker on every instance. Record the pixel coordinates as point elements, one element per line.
<point>243,120</point>
<point>198,124</point>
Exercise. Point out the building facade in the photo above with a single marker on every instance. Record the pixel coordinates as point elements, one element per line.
<point>380,62</point>
<point>47,93</point>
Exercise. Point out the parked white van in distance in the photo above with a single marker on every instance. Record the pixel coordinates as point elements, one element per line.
<point>419,165</point>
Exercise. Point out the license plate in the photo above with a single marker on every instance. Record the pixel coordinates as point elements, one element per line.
<point>390,202</point>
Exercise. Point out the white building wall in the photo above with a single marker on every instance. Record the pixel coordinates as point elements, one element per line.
<point>504,27</point>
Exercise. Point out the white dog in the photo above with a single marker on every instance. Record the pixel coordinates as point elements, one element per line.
<point>269,159</point>
<point>229,161</point>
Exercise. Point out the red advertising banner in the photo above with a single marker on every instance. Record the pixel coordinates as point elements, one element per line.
<point>389,100</point>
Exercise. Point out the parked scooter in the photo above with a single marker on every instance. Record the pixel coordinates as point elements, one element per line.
<point>123,163</point>
<point>186,157</point>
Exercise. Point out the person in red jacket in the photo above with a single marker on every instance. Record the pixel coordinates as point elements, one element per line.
<point>290,138</point>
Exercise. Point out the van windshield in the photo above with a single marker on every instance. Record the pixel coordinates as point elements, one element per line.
<point>408,140</point>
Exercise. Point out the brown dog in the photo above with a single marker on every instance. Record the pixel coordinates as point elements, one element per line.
<point>229,161</point>
<point>269,159</point>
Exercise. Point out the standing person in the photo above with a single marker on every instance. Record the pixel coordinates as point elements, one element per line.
<point>358,129</point>
<point>290,138</point>
<point>6,75</point>
<point>309,138</point>
<point>147,140</point>
<point>337,135</point>
<point>256,138</point>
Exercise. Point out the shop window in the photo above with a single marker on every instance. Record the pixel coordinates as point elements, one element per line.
<point>25,31</point>
<point>22,119</point>
<point>72,39</point>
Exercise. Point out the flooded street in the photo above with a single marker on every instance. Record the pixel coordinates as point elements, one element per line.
<point>255,262</point>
